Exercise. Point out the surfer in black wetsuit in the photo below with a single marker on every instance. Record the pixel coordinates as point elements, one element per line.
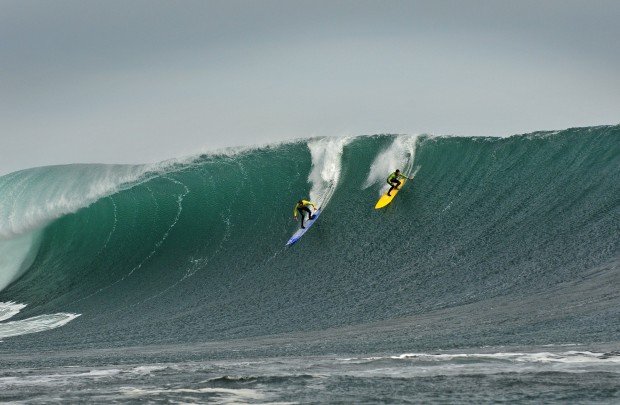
<point>394,180</point>
<point>300,207</point>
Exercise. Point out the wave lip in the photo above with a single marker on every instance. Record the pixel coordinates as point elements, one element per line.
<point>35,197</point>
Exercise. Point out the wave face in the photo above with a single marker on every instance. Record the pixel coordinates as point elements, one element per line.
<point>495,241</point>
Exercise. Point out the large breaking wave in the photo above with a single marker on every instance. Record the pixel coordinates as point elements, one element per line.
<point>496,240</point>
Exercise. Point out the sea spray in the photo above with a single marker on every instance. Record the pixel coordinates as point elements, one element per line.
<point>326,167</point>
<point>399,155</point>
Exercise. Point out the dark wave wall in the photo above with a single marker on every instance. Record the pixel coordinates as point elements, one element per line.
<point>195,252</point>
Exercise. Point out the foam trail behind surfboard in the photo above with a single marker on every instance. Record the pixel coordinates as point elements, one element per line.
<point>326,156</point>
<point>399,155</point>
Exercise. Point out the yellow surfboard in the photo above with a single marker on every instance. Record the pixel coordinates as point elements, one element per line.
<point>386,199</point>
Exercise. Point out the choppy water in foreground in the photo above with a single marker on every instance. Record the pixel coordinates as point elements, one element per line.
<point>557,374</point>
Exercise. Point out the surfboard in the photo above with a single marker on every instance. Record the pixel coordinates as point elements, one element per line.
<point>386,199</point>
<point>297,235</point>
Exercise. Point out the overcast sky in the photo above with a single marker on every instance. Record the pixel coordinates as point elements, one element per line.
<point>140,81</point>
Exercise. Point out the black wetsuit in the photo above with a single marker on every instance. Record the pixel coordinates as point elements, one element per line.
<point>394,183</point>
<point>304,208</point>
<point>301,210</point>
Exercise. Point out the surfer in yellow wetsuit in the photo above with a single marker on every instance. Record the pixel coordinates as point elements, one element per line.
<point>394,180</point>
<point>300,207</point>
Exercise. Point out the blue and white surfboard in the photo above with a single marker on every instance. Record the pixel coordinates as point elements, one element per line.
<point>297,235</point>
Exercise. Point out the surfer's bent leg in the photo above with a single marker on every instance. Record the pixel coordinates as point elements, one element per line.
<point>301,214</point>
<point>395,184</point>
<point>310,216</point>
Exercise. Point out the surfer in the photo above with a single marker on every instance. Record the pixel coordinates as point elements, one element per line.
<point>300,207</point>
<point>394,180</point>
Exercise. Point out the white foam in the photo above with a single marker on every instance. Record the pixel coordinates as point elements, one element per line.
<point>399,155</point>
<point>326,156</point>
<point>225,395</point>
<point>435,364</point>
<point>147,369</point>
<point>57,379</point>
<point>35,324</point>
<point>10,309</point>
<point>517,357</point>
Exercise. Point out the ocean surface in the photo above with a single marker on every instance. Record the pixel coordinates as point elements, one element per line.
<point>493,277</point>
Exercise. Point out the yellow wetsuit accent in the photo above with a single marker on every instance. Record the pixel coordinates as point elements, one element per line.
<point>304,203</point>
